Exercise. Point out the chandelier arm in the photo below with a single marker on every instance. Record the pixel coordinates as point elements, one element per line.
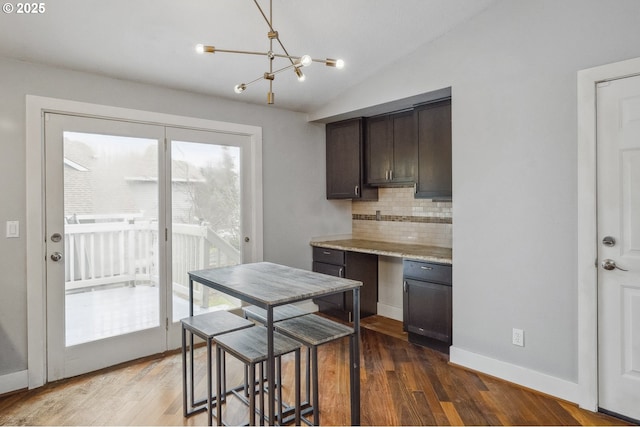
<point>274,72</point>
<point>282,69</point>
<point>249,52</point>
<point>255,80</point>
<point>245,52</point>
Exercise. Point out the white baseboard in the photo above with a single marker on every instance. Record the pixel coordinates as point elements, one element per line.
<point>14,381</point>
<point>390,311</point>
<point>528,378</point>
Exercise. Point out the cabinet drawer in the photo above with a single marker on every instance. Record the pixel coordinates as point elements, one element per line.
<point>328,256</point>
<point>427,271</point>
<point>330,269</point>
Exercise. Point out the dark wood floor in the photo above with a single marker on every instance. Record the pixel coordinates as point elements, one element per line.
<point>402,384</point>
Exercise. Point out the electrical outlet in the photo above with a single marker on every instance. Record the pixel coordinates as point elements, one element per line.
<point>517,337</point>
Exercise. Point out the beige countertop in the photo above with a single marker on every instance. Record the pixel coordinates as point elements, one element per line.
<point>401,250</point>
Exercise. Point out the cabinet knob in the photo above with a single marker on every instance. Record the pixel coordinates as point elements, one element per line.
<point>357,190</point>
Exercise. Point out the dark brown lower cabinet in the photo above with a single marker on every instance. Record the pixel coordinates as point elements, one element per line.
<point>427,304</point>
<point>351,265</point>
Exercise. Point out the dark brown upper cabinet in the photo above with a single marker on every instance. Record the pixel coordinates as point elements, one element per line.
<point>391,149</point>
<point>434,150</point>
<point>345,168</point>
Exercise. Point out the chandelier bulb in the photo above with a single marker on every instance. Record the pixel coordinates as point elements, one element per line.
<point>305,60</point>
<point>200,48</point>
<point>300,74</point>
<point>240,88</point>
<point>338,63</point>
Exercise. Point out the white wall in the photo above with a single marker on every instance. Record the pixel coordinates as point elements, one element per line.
<point>295,208</point>
<point>513,72</point>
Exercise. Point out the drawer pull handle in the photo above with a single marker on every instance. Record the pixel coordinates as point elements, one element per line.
<point>426,268</point>
<point>326,252</point>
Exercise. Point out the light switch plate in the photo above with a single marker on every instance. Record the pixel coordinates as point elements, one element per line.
<point>13,229</point>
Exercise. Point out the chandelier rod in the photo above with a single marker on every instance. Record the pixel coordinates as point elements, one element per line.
<point>269,23</point>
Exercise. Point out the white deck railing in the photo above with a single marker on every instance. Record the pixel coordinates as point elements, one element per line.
<point>125,252</point>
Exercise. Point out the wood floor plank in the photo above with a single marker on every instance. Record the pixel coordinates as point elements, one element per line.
<point>401,383</point>
<point>452,414</point>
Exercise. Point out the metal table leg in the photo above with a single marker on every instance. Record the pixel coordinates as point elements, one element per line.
<point>355,361</point>
<point>270,366</point>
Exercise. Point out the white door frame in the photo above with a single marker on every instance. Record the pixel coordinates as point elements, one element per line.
<point>587,225</point>
<point>36,106</point>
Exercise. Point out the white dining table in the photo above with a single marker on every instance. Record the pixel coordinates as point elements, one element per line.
<point>268,285</point>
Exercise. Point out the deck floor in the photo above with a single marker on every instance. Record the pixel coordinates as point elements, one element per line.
<point>107,312</point>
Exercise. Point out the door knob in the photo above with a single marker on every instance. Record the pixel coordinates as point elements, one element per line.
<point>609,264</point>
<point>56,256</point>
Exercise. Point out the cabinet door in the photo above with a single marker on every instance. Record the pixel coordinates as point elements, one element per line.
<point>329,302</point>
<point>345,162</point>
<point>364,268</point>
<point>427,309</point>
<point>379,158</point>
<point>344,142</point>
<point>434,150</point>
<point>405,148</point>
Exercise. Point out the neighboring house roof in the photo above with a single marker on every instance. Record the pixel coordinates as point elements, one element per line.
<point>117,184</point>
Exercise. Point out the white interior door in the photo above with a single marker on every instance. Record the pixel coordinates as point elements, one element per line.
<point>618,194</point>
<point>106,296</point>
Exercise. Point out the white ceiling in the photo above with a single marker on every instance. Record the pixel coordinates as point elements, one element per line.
<point>153,41</point>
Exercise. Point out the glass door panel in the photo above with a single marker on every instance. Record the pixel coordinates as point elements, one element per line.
<point>110,235</point>
<point>206,218</point>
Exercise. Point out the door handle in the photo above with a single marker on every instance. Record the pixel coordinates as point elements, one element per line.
<point>609,264</point>
<point>56,256</point>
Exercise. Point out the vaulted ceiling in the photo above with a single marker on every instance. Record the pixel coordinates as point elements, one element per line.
<point>153,41</point>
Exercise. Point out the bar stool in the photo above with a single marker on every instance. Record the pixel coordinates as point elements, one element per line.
<point>280,313</point>
<point>312,331</point>
<point>205,326</point>
<point>250,347</point>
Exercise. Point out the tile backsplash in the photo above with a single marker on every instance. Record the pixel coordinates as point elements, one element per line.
<point>402,219</point>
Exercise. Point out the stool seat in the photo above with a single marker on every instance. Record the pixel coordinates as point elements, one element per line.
<point>280,313</point>
<point>250,347</point>
<point>313,330</point>
<point>214,323</point>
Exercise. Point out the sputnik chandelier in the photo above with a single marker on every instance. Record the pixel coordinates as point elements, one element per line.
<point>295,62</point>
